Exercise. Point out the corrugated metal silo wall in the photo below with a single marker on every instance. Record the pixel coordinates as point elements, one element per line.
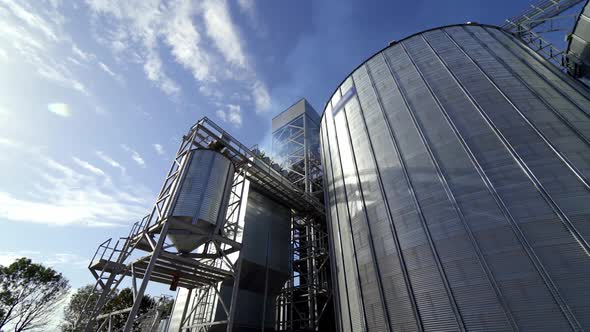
<point>265,264</point>
<point>456,165</point>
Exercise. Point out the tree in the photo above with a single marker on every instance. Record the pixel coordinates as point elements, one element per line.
<point>29,293</point>
<point>119,301</point>
<point>74,307</point>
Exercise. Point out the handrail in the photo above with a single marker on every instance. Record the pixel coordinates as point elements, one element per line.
<point>539,13</point>
<point>97,250</point>
<point>251,161</point>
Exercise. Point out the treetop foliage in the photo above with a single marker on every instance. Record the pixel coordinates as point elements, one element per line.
<point>29,293</point>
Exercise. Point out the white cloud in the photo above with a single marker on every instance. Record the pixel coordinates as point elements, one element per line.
<point>247,6</point>
<point>233,115</point>
<point>33,20</point>
<point>106,69</point>
<point>159,149</point>
<point>207,91</point>
<point>199,36</point>
<point>20,38</point>
<point>64,196</point>
<point>29,37</point>
<point>87,58</point>
<point>3,55</point>
<point>241,97</point>
<point>110,161</point>
<point>137,25</point>
<point>221,114</point>
<point>60,109</point>
<point>153,70</point>
<point>134,155</point>
<point>222,31</point>
<point>225,35</point>
<point>8,257</point>
<point>60,75</point>
<point>182,36</point>
<point>74,61</point>
<point>64,258</point>
<point>54,260</point>
<point>111,73</point>
<point>236,119</point>
<point>100,110</point>
<point>88,166</point>
<point>9,143</point>
<point>81,54</point>
<point>261,97</point>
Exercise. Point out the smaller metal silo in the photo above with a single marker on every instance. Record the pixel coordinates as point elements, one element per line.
<point>201,199</point>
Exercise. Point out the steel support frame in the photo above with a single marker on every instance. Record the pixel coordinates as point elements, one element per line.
<point>305,296</point>
<point>293,134</point>
<point>150,234</point>
<point>215,252</point>
<point>201,312</point>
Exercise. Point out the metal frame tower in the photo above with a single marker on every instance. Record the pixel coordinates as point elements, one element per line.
<point>306,297</point>
<point>146,254</point>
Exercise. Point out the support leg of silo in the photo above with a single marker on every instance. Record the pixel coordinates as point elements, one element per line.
<point>234,295</point>
<point>146,277</point>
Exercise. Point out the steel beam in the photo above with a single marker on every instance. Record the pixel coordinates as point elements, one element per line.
<point>146,279</point>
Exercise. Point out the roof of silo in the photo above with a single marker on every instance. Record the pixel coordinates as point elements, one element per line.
<point>391,44</point>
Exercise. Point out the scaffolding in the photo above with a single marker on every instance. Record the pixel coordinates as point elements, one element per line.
<point>146,255</point>
<point>306,297</point>
<point>542,18</point>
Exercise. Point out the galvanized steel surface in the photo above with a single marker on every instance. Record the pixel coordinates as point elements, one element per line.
<point>578,48</point>
<point>299,108</point>
<point>203,195</point>
<point>265,264</point>
<point>179,309</point>
<point>457,175</point>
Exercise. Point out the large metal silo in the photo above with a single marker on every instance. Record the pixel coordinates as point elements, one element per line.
<point>457,169</point>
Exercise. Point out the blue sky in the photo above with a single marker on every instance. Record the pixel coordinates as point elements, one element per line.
<point>95,94</point>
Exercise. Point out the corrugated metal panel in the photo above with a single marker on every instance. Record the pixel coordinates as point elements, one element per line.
<point>340,266</point>
<point>351,272</point>
<point>180,305</point>
<point>458,185</point>
<point>204,188</point>
<point>265,264</point>
<point>202,196</point>
<point>578,48</point>
<point>399,308</point>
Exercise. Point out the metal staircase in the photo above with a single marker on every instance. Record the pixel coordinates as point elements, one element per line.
<point>108,268</point>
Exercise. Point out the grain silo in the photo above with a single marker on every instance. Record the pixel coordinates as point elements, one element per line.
<point>456,166</point>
